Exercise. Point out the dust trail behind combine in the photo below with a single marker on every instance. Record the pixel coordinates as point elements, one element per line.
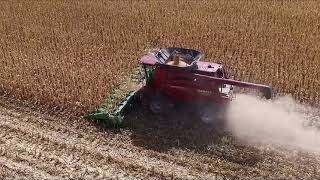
<point>281,122</point>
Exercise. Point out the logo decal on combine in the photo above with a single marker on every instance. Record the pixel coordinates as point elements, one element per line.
<point>204,92</point>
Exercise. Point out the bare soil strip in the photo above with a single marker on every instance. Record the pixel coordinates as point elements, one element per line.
<point>43,144</point>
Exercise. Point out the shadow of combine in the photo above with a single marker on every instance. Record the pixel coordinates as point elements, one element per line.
<point>183,131</point>
<point>161,133</point>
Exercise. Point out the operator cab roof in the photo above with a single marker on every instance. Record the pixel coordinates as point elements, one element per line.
<point>190,56</point>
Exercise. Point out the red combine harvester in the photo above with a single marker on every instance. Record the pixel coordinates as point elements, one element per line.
<point>177,78</point>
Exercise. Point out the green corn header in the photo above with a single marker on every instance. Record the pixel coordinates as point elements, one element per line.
<point>115,117</point>
<point>112,115</point>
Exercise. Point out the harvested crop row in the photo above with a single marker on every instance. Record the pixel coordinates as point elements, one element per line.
<point>38,146</point>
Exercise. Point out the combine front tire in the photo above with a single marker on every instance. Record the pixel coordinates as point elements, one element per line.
<point>157,104</point>
<point>156,107</point>
<point>160,104</point>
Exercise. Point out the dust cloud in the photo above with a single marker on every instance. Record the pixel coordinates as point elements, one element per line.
<point>281,121</point>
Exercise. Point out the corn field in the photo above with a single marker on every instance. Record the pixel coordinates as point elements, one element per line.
<point>71,54</point>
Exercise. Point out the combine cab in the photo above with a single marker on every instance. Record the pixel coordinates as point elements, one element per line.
<point>178,78</point>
